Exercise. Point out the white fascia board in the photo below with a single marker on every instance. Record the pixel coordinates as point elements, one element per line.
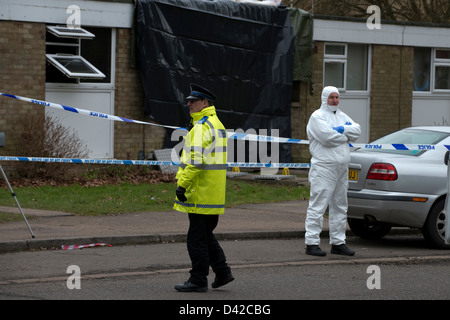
<point>389,34</point>
<point>92,13</point>
<point>355,32</point>
<point>427,37</point>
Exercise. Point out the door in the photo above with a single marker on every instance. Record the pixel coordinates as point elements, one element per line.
<point>96,133</point>
<point>357,107</point>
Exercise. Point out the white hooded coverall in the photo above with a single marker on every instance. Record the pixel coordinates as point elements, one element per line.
<point>328,175</point>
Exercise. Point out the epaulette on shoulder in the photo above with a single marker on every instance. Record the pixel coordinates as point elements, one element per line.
<point>202,120</point>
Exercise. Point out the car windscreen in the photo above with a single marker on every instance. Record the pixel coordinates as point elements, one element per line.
<point>410,136</point>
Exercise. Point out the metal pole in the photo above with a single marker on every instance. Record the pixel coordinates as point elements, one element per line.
<point>447,209</point>
<point>17,202</point>
<point>447,202</point>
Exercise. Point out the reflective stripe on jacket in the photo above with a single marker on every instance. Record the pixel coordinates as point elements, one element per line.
<point>202,171</point>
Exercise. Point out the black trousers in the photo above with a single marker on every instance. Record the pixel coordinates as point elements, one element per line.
<point>204,249</point>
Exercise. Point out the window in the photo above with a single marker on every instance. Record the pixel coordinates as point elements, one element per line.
<point>74,66</point>
<point>64,32</point>
<point>335,65</point>
<point>431,70</point>
<point>78,55</point>
<point>441,69</point>
<point>422,67</point>
<point>346,66</point>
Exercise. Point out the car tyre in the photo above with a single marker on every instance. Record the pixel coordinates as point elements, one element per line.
<point>434,227</point>
<point>368,229</point>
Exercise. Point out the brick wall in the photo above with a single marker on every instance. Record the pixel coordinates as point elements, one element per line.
<point>22,59</point>
<point>131,138</point>
<point>391,89</point>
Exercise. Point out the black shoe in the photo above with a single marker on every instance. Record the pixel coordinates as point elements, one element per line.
<point>221,281</point>
<point>314,250</point>
<point>342,249</point>
<point>190,287</point>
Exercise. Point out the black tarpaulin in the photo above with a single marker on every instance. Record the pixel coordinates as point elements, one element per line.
<point>242,52</point>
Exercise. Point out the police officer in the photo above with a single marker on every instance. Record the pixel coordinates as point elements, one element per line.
<point>201,182</point>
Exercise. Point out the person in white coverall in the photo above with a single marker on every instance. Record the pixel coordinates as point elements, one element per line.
<point>329,132</point>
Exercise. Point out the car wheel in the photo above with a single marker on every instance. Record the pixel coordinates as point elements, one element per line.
<point>367,229</point>
<point>434,228</point>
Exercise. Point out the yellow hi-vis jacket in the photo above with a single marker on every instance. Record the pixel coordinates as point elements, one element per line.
<point>202,171</point>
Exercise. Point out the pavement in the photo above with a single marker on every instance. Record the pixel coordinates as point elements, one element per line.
<point>52,229</point>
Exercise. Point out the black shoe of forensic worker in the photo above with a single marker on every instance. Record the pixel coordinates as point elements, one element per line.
<point>342,249</point>
<point>190,287</point>
<point>315,250</point>
<point>221,281</point>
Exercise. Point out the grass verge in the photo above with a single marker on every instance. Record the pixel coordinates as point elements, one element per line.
<point>131,197</point>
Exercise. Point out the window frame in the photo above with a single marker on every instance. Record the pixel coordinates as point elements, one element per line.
<point>70,32</point>
<point>336,58</point>
<point>343,58</point>
<point>438,62</point>
<point>434,62</point>
<point>79,79</point>
<point>53,59</point>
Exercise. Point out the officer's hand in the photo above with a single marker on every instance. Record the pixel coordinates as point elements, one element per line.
<point>339,129</point>
<point>180,193</point>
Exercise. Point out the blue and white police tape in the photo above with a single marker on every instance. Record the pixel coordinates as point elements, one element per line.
<point>400,146</point>
<point>231,135</point>
<point>89,113</point>
<point>105,116</point>
<point>263,138</point>
<point>148,162</point>
<point>90,161</point>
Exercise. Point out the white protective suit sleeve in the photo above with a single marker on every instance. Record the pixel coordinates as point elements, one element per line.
<point>320,129</point>
<point>352,130</point>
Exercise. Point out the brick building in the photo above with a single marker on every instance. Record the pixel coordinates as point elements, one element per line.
<point>24,43</point>
<point>389,78</point>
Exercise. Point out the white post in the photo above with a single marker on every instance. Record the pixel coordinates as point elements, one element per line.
<point>447,203</point>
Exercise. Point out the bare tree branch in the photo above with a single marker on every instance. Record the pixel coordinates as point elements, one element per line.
<point>435,11</point>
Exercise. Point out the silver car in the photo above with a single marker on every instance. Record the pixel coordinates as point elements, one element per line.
<point>404,188</point>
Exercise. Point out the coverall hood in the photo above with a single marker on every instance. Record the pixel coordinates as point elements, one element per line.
<point>325,94</point>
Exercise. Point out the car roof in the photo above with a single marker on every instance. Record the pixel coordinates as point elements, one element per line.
<point>432,128</point>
